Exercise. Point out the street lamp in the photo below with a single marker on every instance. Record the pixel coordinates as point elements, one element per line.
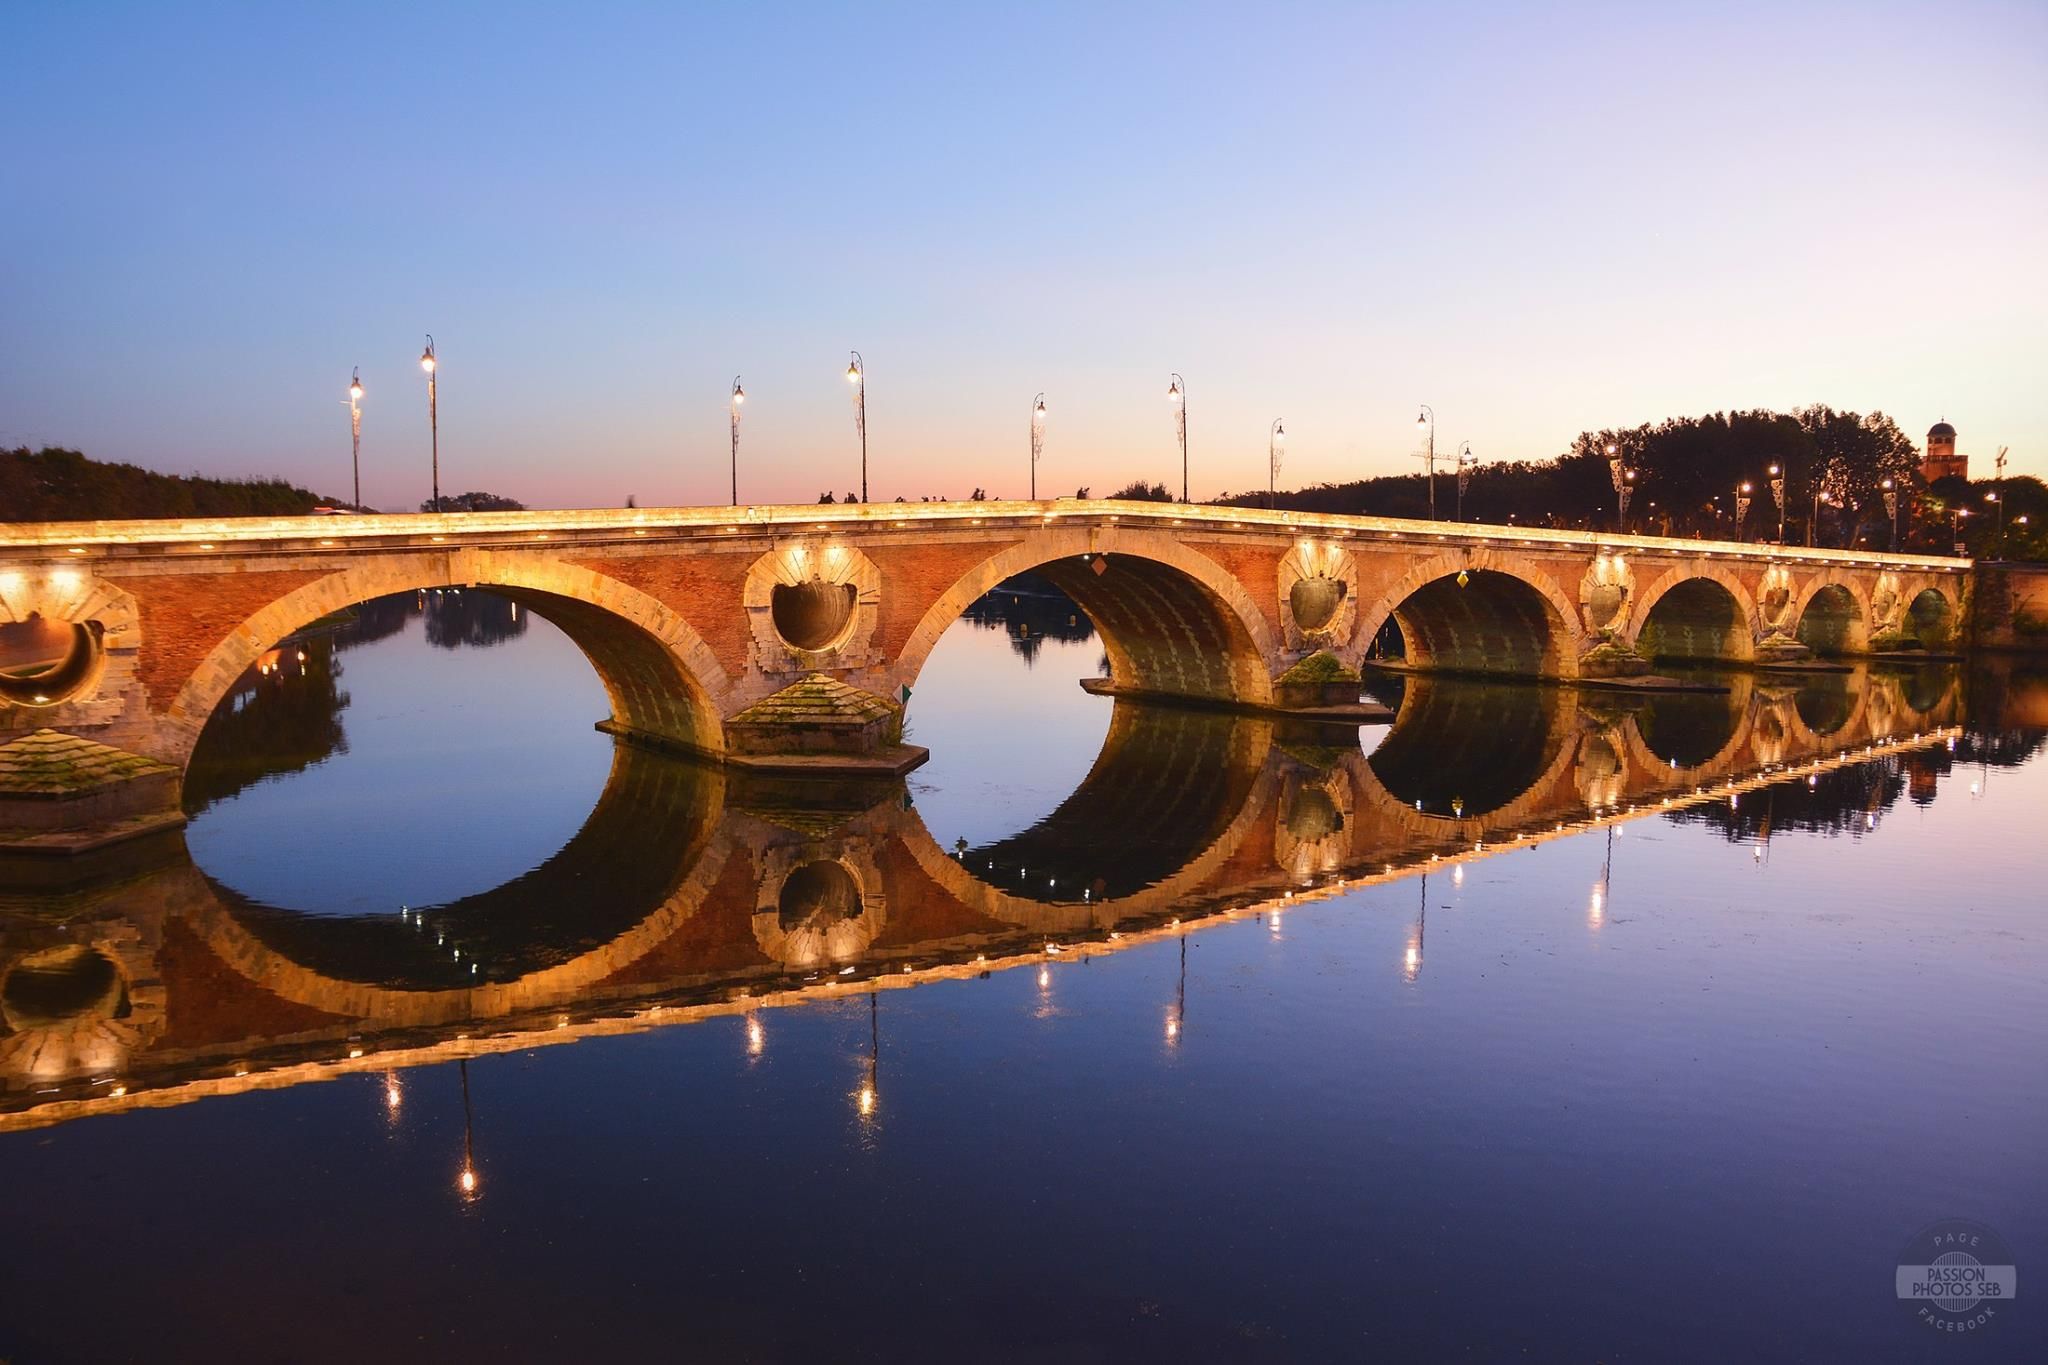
<point>1276,442</point>
<point>431,363</point>
<point>1955,526</point>
<point>1778,492</point>
<point>1998,508</point>
<point>739,396</point>
<point>1741,508</point>
<point>1624,483</point>
<point>1891,509</point>
<point>1425,420</point>
<point>355,430</point>
<point>1176,394</point>
<point>857,375</point>
<point>1466,461</point>
<point>1037,440</point>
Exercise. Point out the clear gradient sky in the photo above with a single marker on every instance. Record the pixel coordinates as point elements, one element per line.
<point>1537,219</point>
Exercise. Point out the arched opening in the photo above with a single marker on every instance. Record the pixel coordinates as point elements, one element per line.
<point>1929,619</point>
<point>1696,619</point>
<point>1461,748</point>
<point>44,662</point>
<point>814,614</point>
<point>657,675</point>
<point>1832,622</point>
<point>997,667</point>
<point>1481,621</point>
<point>413,749</point>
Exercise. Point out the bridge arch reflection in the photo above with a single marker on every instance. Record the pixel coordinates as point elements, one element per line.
<point>689,893</point>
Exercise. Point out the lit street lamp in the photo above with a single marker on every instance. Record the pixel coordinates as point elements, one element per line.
<point>1276,442</point>
<point>1466,461</point>
<point>1037,440</point>
<point>1891,510</point>
<point>1955,526</point>
<point>1425,420</point>
<point>857,375</point>
<point>1741,508</point>
<point>355,431</point>
<point>739,396</point>
<point>431,363</point>
<point>1998,507</point>
<point>1176,394</point>
<point>1624,483</point>
<point>1778,492</point>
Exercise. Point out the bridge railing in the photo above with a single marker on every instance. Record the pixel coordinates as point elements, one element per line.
<point>530,529</point>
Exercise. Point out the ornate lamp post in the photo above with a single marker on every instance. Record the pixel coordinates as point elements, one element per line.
<point>1276,442</point>
<point>1998,544</point>
<point>1176,394</point>
<point>1741,508</point>
<point>355,431</point>
<point>1997,496</point>
<point>739,396</point>
<point>1955,526</point>
<point>1778,492</point>
<point>1624,483</point>
<point>431,363</point>
<point>1425,420</point>
<point>1466,461</point>
<point>1037,440</point>
<point>857,375</point>
<point>1891,509</point>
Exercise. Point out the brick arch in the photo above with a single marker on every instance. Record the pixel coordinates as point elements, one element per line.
<point>660,676</point>
<point>1171,618</point>
<point>1911,590</point>
<point>1740,643</point>
<point>1856,639</point>
<point>1427,627</point>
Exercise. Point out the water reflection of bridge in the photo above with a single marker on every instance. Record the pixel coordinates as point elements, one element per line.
<point>688,894</point>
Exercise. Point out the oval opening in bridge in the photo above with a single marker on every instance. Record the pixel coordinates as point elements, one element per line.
<point>817,895</point>
<point>44,662</point>
<point>59,986</point>
<point>812,615</point>
<point>1314,601</point>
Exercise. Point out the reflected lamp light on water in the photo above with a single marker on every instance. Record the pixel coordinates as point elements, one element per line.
<point>466,1181</point>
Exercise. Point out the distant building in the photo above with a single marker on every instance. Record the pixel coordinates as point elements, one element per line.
<point>1941,460</point>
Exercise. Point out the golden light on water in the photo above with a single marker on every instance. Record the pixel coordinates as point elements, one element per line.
<point>467,1182</point>
<point>866,1101</point>
<point>757,1038</point>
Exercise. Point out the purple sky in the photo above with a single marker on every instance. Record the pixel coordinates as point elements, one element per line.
<point>1535,219</point>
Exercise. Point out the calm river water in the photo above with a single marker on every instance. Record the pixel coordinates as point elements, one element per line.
<point>1536,1025</point>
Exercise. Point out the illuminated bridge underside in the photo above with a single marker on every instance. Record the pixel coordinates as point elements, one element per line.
<point>130,634</point>
<point>160,987</point>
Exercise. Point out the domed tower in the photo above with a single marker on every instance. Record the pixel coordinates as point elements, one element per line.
<point>1941,460</point>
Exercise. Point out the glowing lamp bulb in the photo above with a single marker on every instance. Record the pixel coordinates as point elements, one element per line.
<point>355,393</point>
<point>739,395</point>
<point>853,374</point>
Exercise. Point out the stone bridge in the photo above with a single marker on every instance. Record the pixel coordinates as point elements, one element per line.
<point>695,891</point>
<point>742,631</point>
